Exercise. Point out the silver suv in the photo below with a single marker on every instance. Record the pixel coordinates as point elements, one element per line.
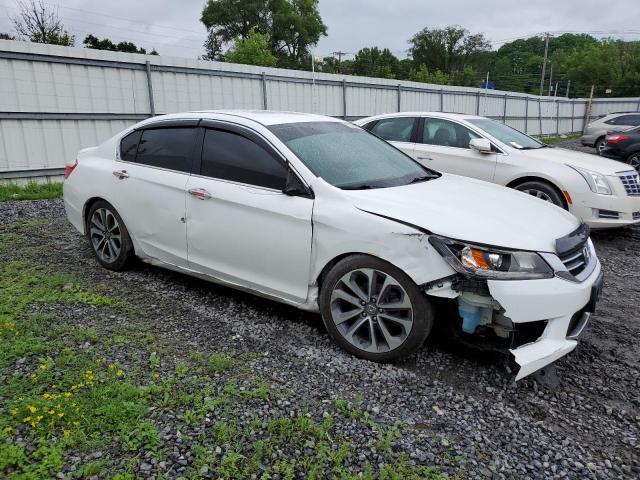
<point>594,133</point>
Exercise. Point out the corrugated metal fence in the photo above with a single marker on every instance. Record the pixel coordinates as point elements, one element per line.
<point>56,100</point>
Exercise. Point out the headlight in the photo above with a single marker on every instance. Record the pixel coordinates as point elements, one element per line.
<point>596,181</point>
<point>489,262</point>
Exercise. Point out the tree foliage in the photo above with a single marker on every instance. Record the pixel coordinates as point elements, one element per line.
<point>6,36</point>
<point>91,41</point>
<point>252,50</point>
<point>37,22</point>
<point>291,26</point>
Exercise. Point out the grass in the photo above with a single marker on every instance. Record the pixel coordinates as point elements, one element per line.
<point>31,191</point>
<point>63,394</point>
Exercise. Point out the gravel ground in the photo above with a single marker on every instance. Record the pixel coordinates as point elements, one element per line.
<point>459,409</point>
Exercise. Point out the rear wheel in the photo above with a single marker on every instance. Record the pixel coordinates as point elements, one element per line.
<point>543,191</point>
<point>109,236</point>
<point>599,145</point>
<point>374,310</point>
<point>634,161</point>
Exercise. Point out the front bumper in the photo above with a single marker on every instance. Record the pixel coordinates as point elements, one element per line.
<point>565,305</point>
<point>607,211</point>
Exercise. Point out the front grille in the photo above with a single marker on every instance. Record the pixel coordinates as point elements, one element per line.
<point>631,182</point>
<point>576,260</point>
<point>608,214</point>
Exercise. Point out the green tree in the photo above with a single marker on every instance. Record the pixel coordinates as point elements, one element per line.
<point>213,46</point>
<point>91,41</point>
<point>292,26</point>
<point>252,50</point>
<point>6,36</point>
<point>448,49</point>
<point>373,62</point>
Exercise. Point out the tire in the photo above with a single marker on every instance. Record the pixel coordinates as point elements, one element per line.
<point>542,190</point>
<point>108,236</point>
<point>634,161</point>
<point>599,145</point>
<point>398,331</point>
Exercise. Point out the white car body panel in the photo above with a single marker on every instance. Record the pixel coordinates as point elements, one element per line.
<point>550,164</point>
<point>277,246</point>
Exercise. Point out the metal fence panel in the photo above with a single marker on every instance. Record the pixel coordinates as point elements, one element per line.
<point>56,100</point>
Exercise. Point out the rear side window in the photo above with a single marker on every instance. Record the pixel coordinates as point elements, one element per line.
<point>394,129</point>
<point>129,145</point>
<point>166,148</point>
<point>628,120</point>
<point>230,156</point>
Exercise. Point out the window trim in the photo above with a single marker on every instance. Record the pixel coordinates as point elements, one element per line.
<point>253,136</point>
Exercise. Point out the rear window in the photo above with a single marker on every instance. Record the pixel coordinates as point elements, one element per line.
<point>168,148</point>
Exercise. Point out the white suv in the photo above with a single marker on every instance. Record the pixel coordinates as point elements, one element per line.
<point>317,213</point>
<point>603,193</point>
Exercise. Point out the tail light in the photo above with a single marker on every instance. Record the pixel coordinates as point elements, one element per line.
<point>616,137</point>
<point>69,169</point>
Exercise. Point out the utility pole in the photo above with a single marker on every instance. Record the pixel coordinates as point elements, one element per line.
<point>339,54</point>
<point>555,90</point>
<point>544,64</point>
<point>587,113</point>
<point>550,79</point>
<point>568,87</point>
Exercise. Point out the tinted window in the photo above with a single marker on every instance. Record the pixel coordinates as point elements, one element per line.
<point>129,145</point>
<point>349,157</point>
<point>446,133</point>
<point>166,148</point>
<point>230,156</point>
<point>631,120</point>
<point>398,129</point>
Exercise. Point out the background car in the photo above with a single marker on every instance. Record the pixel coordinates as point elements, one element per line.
<point>602,192</point>
<point>317,213</point>
<point>595,131</point>
<point>624,146</point>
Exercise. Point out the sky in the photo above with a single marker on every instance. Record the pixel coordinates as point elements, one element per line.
<point>173,27</point>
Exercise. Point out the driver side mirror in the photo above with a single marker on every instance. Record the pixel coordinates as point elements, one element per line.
<point>481,145</point>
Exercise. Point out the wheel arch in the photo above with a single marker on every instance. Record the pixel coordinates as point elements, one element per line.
<point>533,178</point>
<point>86,208</point>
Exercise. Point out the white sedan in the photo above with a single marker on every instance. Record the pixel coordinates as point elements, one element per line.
<point>318,213</point>
<point>603,193</point>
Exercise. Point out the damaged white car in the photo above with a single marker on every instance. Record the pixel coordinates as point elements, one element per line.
<point>318,213</point>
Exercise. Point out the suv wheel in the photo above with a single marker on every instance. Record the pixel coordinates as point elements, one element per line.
<point>543,191</point>
<point>108,236</point>
<point>374,310</point>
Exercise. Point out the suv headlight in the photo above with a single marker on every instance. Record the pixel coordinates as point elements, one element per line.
<point>491,262</point>
<point>596,181</point>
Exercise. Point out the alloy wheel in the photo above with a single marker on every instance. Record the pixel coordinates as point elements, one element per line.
<point>634,161</point>
<point>600,146</point>
<point>105,235</point>
<point>371,310</point>
<point>538,194</point>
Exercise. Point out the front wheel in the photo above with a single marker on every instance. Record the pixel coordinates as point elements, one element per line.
<point>542,191</point>
<point>634,161</point>
<point>374,310</point>
<point>109,236</point>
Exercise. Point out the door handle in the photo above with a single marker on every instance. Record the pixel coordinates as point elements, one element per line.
<point>200,193</point>
<point>425,158</point>
<point>121,174</point>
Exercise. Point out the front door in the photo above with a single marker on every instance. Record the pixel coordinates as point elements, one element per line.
<point>444,146</point>
<point>241,228</point>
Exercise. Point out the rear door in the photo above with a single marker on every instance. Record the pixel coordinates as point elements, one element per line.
<point>241,228</point>
<point>400,131</point>
<point>149,188</point>
<point>444,146</point>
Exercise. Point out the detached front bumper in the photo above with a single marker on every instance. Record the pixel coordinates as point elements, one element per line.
<point>566,306</point>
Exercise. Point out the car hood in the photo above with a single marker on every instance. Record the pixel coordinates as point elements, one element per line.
<point>471,210</point>
<point>575,159</point>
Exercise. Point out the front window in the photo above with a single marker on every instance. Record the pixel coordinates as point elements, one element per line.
<point>507,135</point>
<point>349,157</point>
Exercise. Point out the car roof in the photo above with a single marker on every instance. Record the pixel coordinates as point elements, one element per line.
<point>264,117</point>
<point>452,116</point>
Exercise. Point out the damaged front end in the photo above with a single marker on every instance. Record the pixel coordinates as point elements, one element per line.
<point>533,305</point>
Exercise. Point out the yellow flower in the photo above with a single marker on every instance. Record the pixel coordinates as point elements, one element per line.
<point>111,366</point>
<point>13,412</point>
<point>7,430</point>
<point>32,409</point>
<point>42,366</point>
<point>26,419</point>
<point>119,373</point>
<point>51,411</point>
<point>66,433</point>
<point>38,418</point>
<point>68,394</point>
<point>47,395</point>
<point>76,424</point>
<point>61,414</point>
